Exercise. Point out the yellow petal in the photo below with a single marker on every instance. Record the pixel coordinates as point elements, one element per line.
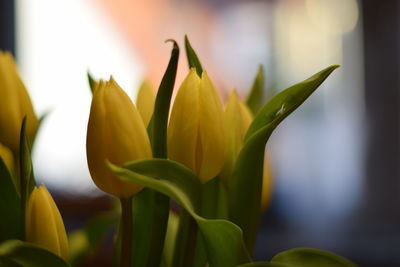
<point>237,119</point>
<point>7,156</point>
<point>116,133</point>
<point>15,104</point>
<point>44,225</point>
<point>267,184</point>
<point>183,123</point>
<point>211,143</point>
<point>145,102</point>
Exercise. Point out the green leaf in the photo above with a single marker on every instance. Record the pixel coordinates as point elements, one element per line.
<point>152,208</point>
<point>159,120</point>
<point>143,217</point>
<point>246,183</point>
<point>27,254</point>
<point>170,239</point>
<point>285,102</point>
<point>10,207</point>
<point>308,257</point>
<point>255,96</point>
<point>92,82</point>
<point>192,58</point>
<point>223,239</point>
<point>264,264</point>
<point>26,176</point>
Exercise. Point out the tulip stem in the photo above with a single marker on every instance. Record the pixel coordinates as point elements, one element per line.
<point>127,232</point>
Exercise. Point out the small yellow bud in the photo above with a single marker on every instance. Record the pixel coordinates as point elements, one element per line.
<point>15,104</point>
<point>44,225</point>
<point>145,102</point>
<point>115,133</point>
<point>196,131</point>
<point>7,156</point>
<point>267,184</point>
<point>237,119</point>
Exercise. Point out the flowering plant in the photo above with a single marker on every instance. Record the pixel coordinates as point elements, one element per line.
<point>207,158</point>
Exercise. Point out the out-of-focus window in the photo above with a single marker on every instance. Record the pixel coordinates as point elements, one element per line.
<point>57,43</point>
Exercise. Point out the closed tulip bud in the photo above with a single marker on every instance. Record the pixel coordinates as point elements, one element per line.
<point>237,119</point>
<point>15,104</point>
<point>115,133</point>
<point>44,225</point>
<point>267,184</point>
<point>145,102</point>
<point>7,156</point>
<point>196,131</point>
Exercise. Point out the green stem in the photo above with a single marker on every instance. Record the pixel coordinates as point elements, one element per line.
<point>185,240</point>
<point>127,232</point>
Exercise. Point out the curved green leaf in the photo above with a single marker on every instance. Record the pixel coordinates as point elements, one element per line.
<point>159,120</point>
<point>27,254</point>
<point>192,57</point>
<point>285,102</point>
<point>308,257</point>
<point>255,96</point>
<point>10,207</point>
<point>246,183</point>
<point>151,209</point>
<point>223,239</point>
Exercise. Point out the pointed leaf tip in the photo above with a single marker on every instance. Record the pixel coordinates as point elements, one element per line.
<point>192,57</point>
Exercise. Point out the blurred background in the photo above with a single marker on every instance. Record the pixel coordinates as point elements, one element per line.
<point>335,161</point>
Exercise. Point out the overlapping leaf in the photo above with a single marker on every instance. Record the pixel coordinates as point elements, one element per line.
<point>18,253</point>
<point>223,239</point>
<point>246,183</point>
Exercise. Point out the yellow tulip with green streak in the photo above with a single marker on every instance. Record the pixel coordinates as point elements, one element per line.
<point>115,133</point>
<point>15,104</point>
<point>44,225</point>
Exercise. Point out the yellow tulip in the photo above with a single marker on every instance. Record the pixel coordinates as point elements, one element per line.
<point>115,133</point>
<point>7,156</point>
<point>145,102</point>
<point>44,225</point>
<point>237,119</point>
<point>195,131</point>
<point>15,104</point>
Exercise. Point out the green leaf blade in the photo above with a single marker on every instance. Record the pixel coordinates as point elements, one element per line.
<point>193,59</point>
<point>151,216</point>
<point>245,186</point>
<point>27,254</point>
<point>308,257</point>
<point>10,207</point>
<point>255,97</point>
<point>285,102</point>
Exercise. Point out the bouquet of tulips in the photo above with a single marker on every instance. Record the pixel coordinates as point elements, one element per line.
<point>206,158</point>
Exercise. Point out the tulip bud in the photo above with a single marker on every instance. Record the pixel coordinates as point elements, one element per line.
<point>195,131</point>
<point>44,225</point>
<point>115,133</point>
<point>7,156</point>
<point>237,119</point>
<point>267,184</point>
<point>15,104</point>
<point>145,102</point>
